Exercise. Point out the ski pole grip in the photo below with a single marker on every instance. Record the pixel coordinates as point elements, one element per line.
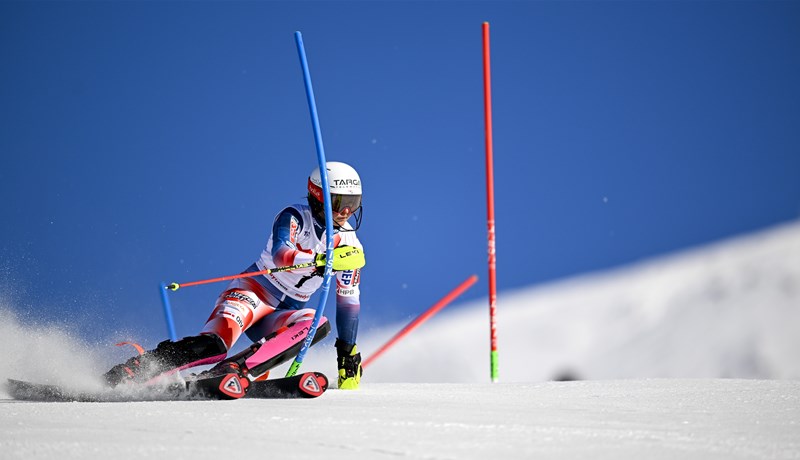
<point>173,286</point>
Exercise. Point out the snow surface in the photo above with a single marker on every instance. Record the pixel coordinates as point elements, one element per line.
<point>690,356</point>
<point>708,419</point>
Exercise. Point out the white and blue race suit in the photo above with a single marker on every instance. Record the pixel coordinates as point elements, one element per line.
<point>263,304</point>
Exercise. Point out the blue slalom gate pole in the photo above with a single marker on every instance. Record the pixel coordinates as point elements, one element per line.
<point>323,174</point>
<point>168,312</point>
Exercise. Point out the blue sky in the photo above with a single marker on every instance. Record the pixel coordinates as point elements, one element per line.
<point>155,141</point>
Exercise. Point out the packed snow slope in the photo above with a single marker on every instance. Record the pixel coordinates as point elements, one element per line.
<point>690,356</point>
<point>634,419</point>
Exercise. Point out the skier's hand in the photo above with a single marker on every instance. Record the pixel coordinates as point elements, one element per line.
<point>344,258</point>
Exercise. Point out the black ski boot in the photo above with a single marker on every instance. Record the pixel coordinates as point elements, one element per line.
<point>166,356</point>
<point>349,362</point>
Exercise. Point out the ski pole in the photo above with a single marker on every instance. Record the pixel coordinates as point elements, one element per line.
<point>176,286</point>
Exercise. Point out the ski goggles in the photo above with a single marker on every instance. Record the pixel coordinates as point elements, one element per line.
<point>345,203</point>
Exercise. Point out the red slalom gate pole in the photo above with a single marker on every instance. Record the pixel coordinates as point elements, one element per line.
<point>422,318</point>
<point>487,112</point>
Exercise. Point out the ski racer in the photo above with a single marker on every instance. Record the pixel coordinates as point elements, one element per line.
<point>266,304</point>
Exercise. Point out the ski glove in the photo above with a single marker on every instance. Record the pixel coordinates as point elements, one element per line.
<point>344,258</point>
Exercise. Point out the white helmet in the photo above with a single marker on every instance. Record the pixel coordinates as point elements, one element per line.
<point>345,187</point>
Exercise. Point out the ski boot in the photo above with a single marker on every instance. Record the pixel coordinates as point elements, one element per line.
<point>349,361</point>
<point>168,356</point>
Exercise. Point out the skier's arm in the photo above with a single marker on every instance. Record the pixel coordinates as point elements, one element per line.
<point>284,237</point>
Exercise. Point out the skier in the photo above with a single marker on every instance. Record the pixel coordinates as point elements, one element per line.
<point>266,304</point>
